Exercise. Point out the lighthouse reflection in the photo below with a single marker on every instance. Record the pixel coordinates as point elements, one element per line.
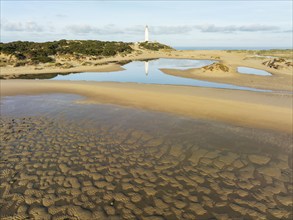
<point>146,68</point>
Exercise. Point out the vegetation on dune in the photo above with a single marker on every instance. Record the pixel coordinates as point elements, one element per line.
<point>154,46</point>
<point>263,51</point>
<point>285,53</point>
<point>34,53</point>
<point>217,67</point>
<point>277,63</point>
<point>282,53</point>
<point>25,52</point>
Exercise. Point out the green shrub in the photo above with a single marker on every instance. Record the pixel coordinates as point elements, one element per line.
<point>154,46</point>
<point>41,52</point>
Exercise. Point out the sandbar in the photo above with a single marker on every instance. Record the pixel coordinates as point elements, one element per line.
<point>244,108</point>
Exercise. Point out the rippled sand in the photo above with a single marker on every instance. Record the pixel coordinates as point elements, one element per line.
<point>105,162</point>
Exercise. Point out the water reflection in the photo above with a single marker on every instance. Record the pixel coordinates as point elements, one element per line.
<point>149,72</point>
<point>146,67</point>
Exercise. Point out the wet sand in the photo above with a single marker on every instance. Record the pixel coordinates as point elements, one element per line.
<point>251,109</point>
<point>12,72</point>
<point>275,82</point>
<point>73,161</point>
<point>172,152</point>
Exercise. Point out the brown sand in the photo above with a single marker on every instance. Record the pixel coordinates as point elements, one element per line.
<point>274,82</point>
<point>15,71</point>
<point>64,170</point>
<point>281,79</point>
<point>261,110</point>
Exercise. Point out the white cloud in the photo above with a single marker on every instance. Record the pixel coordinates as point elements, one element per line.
<point>29,26</point>
<point>111,29</point>
<point>169,30</point>
<point>236,28</point>
<point>161,30</point>
<point>86,29</point>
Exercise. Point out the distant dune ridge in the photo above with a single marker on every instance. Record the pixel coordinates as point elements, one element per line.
<point>21,53</point>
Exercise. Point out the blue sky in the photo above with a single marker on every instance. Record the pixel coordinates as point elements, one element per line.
<point>177,23</point>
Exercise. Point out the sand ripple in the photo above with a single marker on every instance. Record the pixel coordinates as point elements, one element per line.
<point>54,170</point>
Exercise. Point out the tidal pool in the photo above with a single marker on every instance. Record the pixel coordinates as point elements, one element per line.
<point>63,160</point>
<point>253,71</point>
<point>149,72</point>
<point>146,72</point>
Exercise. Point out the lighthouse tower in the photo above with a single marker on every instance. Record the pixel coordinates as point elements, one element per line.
<point>146,34</point>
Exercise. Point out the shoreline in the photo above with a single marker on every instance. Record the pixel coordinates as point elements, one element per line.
<point>250,109</point>
<point>281,79</point>
<point>274,84</point>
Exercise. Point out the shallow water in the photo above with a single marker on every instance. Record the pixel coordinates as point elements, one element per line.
<point>149,72</point>
<point>65,160</point>
<point>253,71</point>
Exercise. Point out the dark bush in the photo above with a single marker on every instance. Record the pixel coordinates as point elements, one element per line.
<point>21,63</point>
<point>153,46</point>
<point>20,56</point>
<point>42,59</point>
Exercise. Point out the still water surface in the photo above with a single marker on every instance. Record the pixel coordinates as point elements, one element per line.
<point>149,72</point>
<point>253,71</point>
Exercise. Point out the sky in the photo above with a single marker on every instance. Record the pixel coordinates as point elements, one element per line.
<point>177,23</point>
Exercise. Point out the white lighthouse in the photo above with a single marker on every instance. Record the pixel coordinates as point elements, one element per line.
<point>146,34</point>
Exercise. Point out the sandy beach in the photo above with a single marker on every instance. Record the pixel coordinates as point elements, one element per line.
<point>146,110</point>
<point>261,110</point>
<point>109,150</point>
<point>281,79</point>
